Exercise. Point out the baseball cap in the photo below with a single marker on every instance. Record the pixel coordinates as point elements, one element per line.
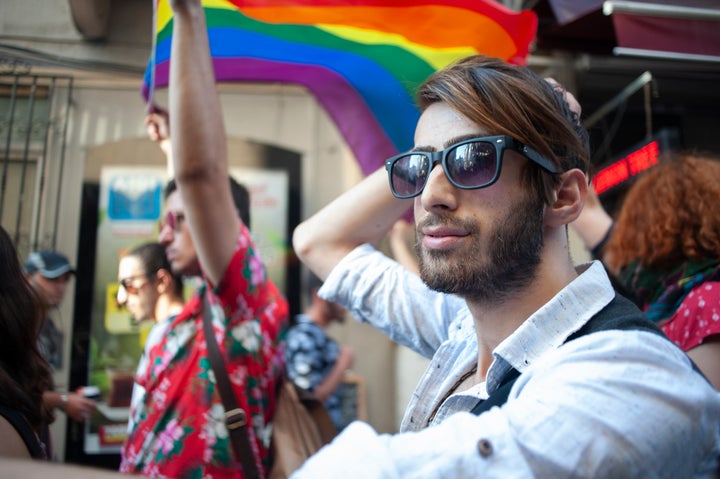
<point>50,264</point>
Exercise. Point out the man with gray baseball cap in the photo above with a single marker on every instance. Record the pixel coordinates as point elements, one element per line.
<point>49,264</point>
<point>49,273</point>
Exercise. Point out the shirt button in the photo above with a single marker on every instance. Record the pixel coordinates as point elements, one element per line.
<point>485,447</point>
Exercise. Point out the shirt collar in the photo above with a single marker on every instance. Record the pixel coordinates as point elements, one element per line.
<point>550,326</point>
<point>303,318</point>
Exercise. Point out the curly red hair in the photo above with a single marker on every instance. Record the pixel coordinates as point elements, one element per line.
<point>669,216</point>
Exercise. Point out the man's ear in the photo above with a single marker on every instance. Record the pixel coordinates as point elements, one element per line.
<point>164,281</point>
<point>569,199</point>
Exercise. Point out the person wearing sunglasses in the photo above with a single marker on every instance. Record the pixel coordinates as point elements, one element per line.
<point>543,370</point>
<point>181,430</point>
<point>149,290</point>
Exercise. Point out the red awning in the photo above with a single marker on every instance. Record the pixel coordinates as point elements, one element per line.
<point>664,29</point>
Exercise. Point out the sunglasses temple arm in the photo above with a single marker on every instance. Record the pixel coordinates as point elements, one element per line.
<point>536,157</point>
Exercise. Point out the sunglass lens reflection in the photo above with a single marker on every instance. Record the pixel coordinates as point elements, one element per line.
<point>472,164</point>
<point>409,174</point>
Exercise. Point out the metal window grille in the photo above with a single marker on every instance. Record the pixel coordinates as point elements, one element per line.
<point>34,111</point>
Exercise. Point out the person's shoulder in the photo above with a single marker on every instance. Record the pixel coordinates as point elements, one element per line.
<point>697,317</point>
<point>704,295</point>
<point>303,325</point>
<point>702,302</point>
<point>12,444</point>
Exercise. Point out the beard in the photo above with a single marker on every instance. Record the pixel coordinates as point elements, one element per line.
<point>505,261</point>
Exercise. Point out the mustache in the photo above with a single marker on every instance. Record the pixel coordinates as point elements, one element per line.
<point>446,220</point>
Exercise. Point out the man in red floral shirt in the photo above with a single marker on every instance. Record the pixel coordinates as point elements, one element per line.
<point>180,430</point>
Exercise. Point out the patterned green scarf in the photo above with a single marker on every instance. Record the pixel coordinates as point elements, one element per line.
<point>660,293</point>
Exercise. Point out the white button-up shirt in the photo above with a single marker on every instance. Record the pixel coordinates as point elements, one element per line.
<point>609,404</point>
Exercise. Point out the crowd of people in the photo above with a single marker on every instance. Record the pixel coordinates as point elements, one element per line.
<point>537,366</point>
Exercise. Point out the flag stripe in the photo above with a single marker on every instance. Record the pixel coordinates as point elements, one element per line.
<point>396,117</point>
<point>362,59</point>
<point>364,132</point>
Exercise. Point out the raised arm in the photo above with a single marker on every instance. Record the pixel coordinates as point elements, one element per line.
<point>594,223</point>
<point>363,214</point>
<point>199,150</point>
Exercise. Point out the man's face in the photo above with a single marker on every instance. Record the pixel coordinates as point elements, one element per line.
<point>482,244</point>
<point>179,246</point>
<point>139,293</point>
<point>51,290</point>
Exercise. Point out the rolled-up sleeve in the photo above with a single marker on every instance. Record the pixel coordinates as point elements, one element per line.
<point>378,290</point>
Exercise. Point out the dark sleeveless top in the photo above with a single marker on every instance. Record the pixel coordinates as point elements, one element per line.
<point>31,440</point>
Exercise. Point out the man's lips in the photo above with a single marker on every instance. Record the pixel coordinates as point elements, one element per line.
<point>442,237</point>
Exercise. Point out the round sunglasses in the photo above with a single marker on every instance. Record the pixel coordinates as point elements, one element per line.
<point>469,164</point>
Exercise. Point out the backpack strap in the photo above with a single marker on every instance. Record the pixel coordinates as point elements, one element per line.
<point>23,428</point>
<point>620,313</point>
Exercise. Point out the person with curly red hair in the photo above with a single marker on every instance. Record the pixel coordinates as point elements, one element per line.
<point>664,251</point>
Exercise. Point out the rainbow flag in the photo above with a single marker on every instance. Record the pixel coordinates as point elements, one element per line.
<point>361,59</point>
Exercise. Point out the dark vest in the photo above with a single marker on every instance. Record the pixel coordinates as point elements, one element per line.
<point>620,314</point>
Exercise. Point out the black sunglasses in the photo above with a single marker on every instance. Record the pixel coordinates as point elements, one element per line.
<point>470,164</point>
<point>129,283</point>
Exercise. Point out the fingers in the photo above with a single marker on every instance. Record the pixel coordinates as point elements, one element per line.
<point>570,99</point>
<point>79,407</point>
<point>157,127</point>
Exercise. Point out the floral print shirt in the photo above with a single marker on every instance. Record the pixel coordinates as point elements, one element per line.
<point>179,429</point>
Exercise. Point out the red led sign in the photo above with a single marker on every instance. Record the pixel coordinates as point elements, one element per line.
<point>623,169</point>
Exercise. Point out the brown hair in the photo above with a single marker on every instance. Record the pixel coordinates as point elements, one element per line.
<point>153,258</point>
<point>512,100</point>
<point>669,215</point>
<point>24,374</point>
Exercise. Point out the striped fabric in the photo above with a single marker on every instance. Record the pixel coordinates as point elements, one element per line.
<point>361,59</point>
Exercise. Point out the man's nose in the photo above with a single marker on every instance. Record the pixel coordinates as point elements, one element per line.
<point>165,235</point>
<point>438,191</point>
<point>121,296</point>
